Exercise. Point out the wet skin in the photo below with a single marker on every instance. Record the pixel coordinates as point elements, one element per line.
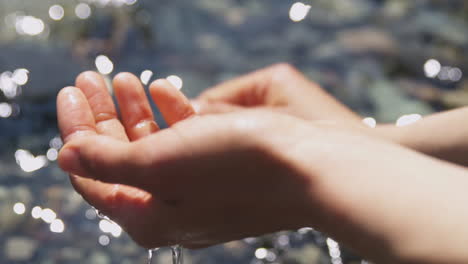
<point>250,168</point>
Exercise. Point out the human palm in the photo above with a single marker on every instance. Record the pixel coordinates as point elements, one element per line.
<point>88,110</point>
<point>198,183</point>
<point>220,177</point>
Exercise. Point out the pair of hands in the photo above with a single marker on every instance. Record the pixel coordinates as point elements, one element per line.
<point>211,177</point>
<point>245,162</point>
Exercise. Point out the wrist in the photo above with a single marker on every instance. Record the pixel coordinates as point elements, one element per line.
<point>392,133</point>
<point>358,211</point>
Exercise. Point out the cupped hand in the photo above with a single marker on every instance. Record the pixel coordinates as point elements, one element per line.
<point>279,87</point>
<point>216,178</point>
<point>203,181</point>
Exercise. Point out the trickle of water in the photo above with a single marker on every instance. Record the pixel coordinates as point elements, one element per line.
<point>177,255</point>
<point>150,254</point>
<point>100,215</point>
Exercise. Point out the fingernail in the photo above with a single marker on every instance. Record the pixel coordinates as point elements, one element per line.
<point>69,160</point>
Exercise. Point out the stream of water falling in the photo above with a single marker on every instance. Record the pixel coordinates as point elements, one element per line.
<point>150,254</point>
<point>177,255</point>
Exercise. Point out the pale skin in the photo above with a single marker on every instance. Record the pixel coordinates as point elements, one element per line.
<point>259,160</point>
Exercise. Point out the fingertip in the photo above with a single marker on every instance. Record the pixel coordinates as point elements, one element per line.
<point>172,103</point>
<point>62,96</point>
<point>87,76</point>
<point>65,90</point>
<point>124,81</point>
<point>74,114</point>
<point>69,94</point>
<point>136,112</point>
<point>161,82</point>
<point>124,78</point>
<point>162,87</point>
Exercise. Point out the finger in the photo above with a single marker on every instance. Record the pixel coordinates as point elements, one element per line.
<point>102,158</point>
<point>76,121</point>
<point>94,88</point>
<point>113,200</point>
<point>135,164</point>
<point>106,196</point>
<point>172,103</point>
<point>135,109</point>
<point>202,107</point>
<point>74,114</point>
<point>247,90</point>
<point>252,89</point>
<point>280,85</point>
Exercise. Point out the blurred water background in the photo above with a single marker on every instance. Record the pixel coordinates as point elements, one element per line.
<point>383,58</point>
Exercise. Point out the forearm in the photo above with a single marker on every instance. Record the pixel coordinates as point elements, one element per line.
<point>414,213</point>
<point>390,204</point>
<point>443,135</point>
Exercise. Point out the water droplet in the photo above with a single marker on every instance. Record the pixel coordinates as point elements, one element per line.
<point>100,215</point>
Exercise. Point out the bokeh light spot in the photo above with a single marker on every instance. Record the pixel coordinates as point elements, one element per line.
<point>407,120</point>
<point>145,76</point>
<point>432,68</point>
<point>19,208</point>
<point>48,215</point>
<point>36,212</point>
<point>104,64</point>
<point>83,11</point>
<point>110,227</point>
<point>370,122</point>
<point>57,226</point>
<point>299,11</point>
<point>261,253</point>
<point>52,154</point>
<point>29,25</point>
<point>56,12</point>
<point>176,81</point>
<point>5,110</point>
<point>20,76</point>
<point>104,240</point>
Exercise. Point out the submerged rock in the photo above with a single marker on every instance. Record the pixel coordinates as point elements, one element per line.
<point>20,248</point>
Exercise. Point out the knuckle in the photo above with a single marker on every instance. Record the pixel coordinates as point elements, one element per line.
<point>116,198</point>
<point>105,116</point>
<point>98,164</point>
<point>89,161</point>
<point>187,112</point>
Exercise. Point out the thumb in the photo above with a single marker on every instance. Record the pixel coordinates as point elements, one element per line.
<point>102,158</point>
